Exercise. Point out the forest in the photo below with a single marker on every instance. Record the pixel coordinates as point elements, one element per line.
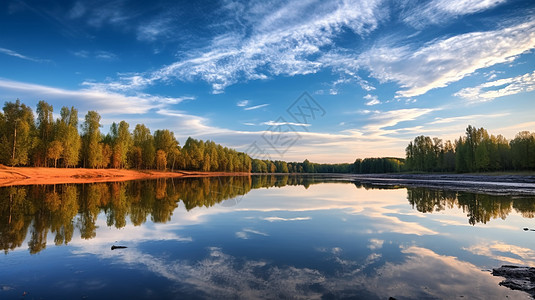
<point>26,140</point>
<point>45,142</point>
<point>476,151</point>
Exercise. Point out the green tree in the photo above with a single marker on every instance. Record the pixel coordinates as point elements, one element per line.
<point>144,140</point>
<point>17,138</point>
<point>165,140</point>
<point>523,151</point>
<point>482,159</point>
<point>69,137</point>
<point>161,160</point>
<point>123,143</point>
<point>91,140</point>
<point>45,127</point>
<point>55,149</point>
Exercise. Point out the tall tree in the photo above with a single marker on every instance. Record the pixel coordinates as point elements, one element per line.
<point>144,140</point>
<point>45,127</point>
<point>523,151</point>
<point>54,151</point>
<point>91,140</point>
<point>17,138</point>
<point>165,140</point>
<point>69,137</point>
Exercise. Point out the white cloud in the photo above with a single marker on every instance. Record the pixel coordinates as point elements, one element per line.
<point>275,123</point>
<point>246,233</point>
<point>441,11</point>
<point>105,55</point>
<point>372,100</point>
<point>510,254</point>
<point>155,29</point>
<point>441,62</point>
<point>391,118</point>
<point>18,55</point>
<point>466,119</point>
<point>281,42</point>
<point>376,244</point>
<point>242,103</point>
<point>85,99</point>
<point>275,219</point>
<point>99,55</point>
<point>255,107</point>
<point>499,88</point>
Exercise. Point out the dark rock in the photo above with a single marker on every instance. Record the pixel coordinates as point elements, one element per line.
<point>117,247</point>
<point>520,278</point>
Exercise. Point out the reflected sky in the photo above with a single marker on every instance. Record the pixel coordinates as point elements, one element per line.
<point>324,240</point>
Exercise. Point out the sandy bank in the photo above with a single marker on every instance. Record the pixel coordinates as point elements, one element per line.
<point>25,176</point>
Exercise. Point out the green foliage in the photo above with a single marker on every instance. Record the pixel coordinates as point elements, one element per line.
<point>378,165</point>
<point>67,128</point>
<point>144,140</point>
<point>477,151</point>
<point>161,160</point>
<point>208,156</point>
<point>55,149</point>
<point>18,134</point>
<point>92,150</point>
<point>523,151</point>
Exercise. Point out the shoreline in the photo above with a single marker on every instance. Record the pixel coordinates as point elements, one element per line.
<point>13,176</point>
<point>502,184</point>
<point>475,183</point>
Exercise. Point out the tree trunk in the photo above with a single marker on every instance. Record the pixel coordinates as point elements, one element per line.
<point>14,144</point>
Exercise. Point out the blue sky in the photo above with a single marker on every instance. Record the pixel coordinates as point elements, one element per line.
<point>375,73</point>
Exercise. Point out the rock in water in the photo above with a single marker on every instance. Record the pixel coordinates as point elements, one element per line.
<point>117,247</point>
<point>517,278</point>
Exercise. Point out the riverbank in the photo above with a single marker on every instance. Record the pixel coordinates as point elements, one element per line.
<point>501,184</point>
<point>10,176</point>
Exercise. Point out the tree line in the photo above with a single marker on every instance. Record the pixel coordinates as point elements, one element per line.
<point>45,142</point>
<point>476,151</point>
<point>26,140</point>
<point>34,212</point>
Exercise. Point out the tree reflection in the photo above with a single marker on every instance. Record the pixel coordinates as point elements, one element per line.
<point>479,208</point>
<point>31,213</point>
<point>40,210</point>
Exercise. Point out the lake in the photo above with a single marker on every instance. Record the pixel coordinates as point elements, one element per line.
<point>258,237</point>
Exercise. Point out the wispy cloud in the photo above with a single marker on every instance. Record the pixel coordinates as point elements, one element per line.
<point>499,88</point>
<point>242,103</point>
<point>21,56</point>
<point>247,232</point>
<point>466,119</point>
<point>281,42</point>
<point>99,55</point>
<point>276,123</point>
<point>372,100</point>
<point>442,11</point>
<point>107,102</point>
<point>275,219</point>
<point>155,29</point>
<point>391,118</point>
<point>256,107</point>
<point>441,62</point>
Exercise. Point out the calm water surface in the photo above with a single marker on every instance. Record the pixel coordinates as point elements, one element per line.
<point>258,237</point>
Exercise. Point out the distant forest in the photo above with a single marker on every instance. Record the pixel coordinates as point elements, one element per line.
<point>477,151</point>
<point>44,142</point>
